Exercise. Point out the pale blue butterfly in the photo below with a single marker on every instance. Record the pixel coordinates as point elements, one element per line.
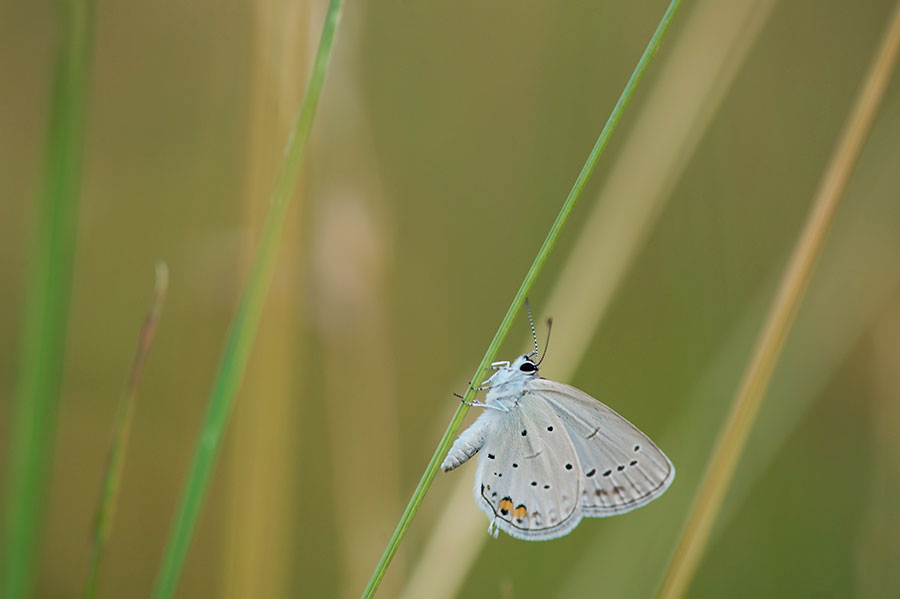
<point>552,455</point>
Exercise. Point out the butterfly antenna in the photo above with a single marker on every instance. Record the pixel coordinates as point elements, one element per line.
<point>531,322</point>
<point>547,342</point>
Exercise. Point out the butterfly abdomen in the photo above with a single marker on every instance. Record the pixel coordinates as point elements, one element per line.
<point>468,443</point>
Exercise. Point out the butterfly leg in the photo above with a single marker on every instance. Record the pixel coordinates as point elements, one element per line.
<point>479,404</point>
<point>486,383</point>
<point>499,408</point>
<point>482,387</point>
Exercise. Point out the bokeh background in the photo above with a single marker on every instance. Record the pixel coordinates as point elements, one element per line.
<point>447,138</point>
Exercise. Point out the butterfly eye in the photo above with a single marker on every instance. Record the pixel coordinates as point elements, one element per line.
<point>527,367</point>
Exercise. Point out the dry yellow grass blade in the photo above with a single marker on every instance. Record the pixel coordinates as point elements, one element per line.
<point>692,84</point>
<point>261,510</point>
<point>831,325</point>
<point>665,135</point>
<point>720,471</point>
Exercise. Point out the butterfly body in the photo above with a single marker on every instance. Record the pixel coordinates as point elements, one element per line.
<point>551,455</point>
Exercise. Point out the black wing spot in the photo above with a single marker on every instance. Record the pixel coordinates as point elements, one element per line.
<point>546,486</point>
<point>550,428</point>
<point>490,456</point>
<point>534,483</point>
<point>607,473</point>
<point>592,472</point>
<point>524,432</point>
<point>637,447</point>
<point>620,468</point>
<point>632,463</point>
<point>568,466</point>
<point>516,465</point>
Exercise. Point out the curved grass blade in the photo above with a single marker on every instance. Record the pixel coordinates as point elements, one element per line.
<point>519,299</point>
<point>49,282</point>
<point>634,193</point>
<point>243,327</point>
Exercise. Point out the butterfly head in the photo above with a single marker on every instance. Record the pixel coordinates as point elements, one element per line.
<point>510,379</point>
<point>525,365</point>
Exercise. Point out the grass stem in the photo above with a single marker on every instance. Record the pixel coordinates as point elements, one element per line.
<point>48,291</point>
<point>121,431</point>
<point>243,327</point>
<point>516,305</point>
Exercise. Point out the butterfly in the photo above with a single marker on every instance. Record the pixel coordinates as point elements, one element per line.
<point>551,455</point>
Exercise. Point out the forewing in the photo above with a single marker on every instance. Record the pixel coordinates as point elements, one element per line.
<point>621,468</point>
<point>527,481</point>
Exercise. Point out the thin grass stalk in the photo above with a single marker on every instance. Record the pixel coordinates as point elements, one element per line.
<point>660,144</point>
<point>49,283</point>
<point>246,320</point>
<point>519,299</point>
<point>109,494</point>
<point>257,559</point>
<point>729,446</point>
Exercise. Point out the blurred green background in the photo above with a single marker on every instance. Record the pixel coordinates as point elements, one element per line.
<point>447,138</point>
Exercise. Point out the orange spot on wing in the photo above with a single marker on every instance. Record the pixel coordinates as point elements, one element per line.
<point>521,511</point>
<point>505,505</point>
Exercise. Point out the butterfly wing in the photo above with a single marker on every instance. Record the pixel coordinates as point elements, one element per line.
<point>622,469</point>
<point>527,480</point>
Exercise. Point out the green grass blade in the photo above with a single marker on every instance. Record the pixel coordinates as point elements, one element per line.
<point>244,325</point>
<point>519,299</point>
<point>49,282</point>
<point>121,431</point>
